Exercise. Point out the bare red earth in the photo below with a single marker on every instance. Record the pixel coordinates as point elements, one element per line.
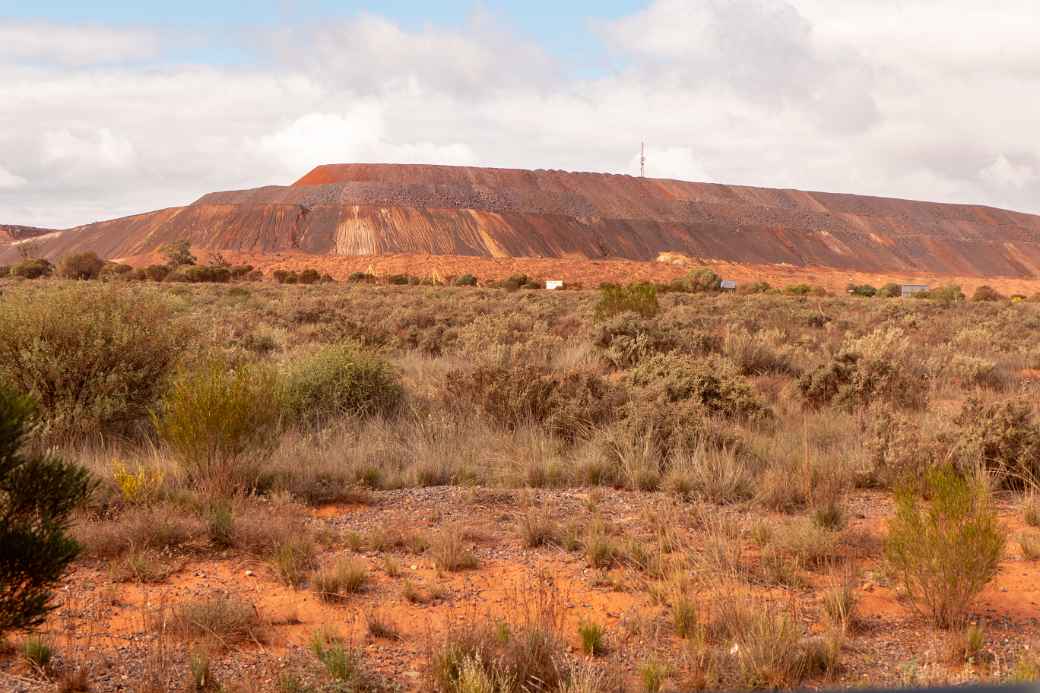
<point>360,210</point>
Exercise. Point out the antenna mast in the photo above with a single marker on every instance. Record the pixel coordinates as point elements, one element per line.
<point>642,160</point>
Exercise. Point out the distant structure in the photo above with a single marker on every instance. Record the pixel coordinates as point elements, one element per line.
<point>728,285</point>
<point>911,289</point>
<point>553,284</point>
<point>642,159</point>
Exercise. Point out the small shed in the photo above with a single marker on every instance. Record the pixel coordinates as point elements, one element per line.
<point>911,289</point>
<point>728,285</point>
<point>553,284</point>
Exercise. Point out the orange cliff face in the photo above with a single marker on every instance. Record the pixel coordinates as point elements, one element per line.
<point>382,209</point>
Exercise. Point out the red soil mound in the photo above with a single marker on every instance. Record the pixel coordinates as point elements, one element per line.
<point>376,210</point>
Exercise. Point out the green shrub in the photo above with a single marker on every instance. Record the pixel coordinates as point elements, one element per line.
<point>361,278</point>
<point>946,552</point>
<point>754,288</point>
<point>221,423</point>
<point>1004,437</point>
<point>712,383</point>
<point>201,274</point>
<point>309,276</point>
<point>285,276</point>
<point>877,367</point>
<point>157,273</point>
<point>760,352</point>
<point>865,290</point>
<point>80,266</point>
<point>628,340</point>
<point>5,271</point>
<point>949,293</point>
<point>116,270</point>
<point>32,269</point>
<point>466,280</point>
<point>241,272</point>
<point>703,280</point>
<point>340,380</point>
<point>798,290</point>
<point>636,298</point>
<point>890,290</point>
<point>178,253</point>
<point>568,403</point>
<point>95,357</point>
<point>986,293</point>
<point>37,496</point>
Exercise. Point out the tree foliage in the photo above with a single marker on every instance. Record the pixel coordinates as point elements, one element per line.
<point>37,495</point>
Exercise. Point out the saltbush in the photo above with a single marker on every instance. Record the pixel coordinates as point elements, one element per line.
<point>95,357</point>
<point>878,367</point>
<point>1004,437</point>
<point>890,290</point>
<point>80,266</point>
<point>568,403</point>
<point>760,352</point>
<point>948,293</point>
<point>340,380</point>
<point>640,299</point>
<point>712,383</point>
<point>703,280</point>
<point>361,278</point>
<point>157,273</point>
<point>865,290</point>
<point>628,340</point>
<point>945,552</point>
<point>285,276</point>
<point>986,293</point>
<point>309,276</point>
<point>32,269</point>
<point>116,270</point>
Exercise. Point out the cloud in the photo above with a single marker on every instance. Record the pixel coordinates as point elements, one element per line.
<point>858,96</point>
<point>358,135</point>
<point>1006,173</point>
<point>10,180</point>
<point>87,150</point>
<point>74,45</point>
<point>372,55</point>
<point>680,163</point>
<point>762,51</point>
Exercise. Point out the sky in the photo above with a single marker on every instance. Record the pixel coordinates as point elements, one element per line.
<point>112,108</point>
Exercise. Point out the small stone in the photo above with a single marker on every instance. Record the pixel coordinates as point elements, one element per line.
<point>249,573</point>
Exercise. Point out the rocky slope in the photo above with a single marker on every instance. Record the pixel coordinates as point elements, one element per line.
<point>363,210</point>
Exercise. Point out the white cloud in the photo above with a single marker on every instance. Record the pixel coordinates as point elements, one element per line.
<point>10,180</point>
<point>358,135</point>
<point>1003,172</point>
<point>891,98</point>
<point>73,45</point>
<point>90,150</point>
<point>679,163</point>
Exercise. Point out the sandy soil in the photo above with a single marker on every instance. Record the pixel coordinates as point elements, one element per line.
<point>109,627</point>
